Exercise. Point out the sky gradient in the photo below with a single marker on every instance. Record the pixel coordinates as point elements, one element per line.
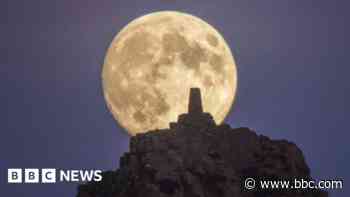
<point>293,66</point>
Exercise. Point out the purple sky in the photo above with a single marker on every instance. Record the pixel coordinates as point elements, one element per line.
<point>293,68</point>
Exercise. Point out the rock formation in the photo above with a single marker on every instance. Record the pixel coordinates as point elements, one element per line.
<point>197,158</point>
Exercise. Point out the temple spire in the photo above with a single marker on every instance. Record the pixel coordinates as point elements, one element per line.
<point>195,102</point>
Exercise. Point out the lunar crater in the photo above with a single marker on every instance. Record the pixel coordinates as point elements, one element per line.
<point>212,40</point>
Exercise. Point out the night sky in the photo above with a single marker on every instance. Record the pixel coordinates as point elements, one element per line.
<point>293,81</point>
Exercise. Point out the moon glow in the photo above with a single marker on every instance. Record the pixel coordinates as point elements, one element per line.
<point>153,62</point>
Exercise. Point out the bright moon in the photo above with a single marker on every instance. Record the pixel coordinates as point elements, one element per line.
<point>154,61</point>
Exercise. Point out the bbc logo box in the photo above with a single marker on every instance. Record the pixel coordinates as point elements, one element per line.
<point>48,175</point>
<point>14,175</point>
<point>31,175</point>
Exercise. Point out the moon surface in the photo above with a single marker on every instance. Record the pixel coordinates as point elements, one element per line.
<point>153,62</point>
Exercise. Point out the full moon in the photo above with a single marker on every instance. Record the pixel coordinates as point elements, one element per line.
<point>153,62</point>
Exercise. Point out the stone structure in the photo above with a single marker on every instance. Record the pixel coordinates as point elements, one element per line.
<point>197,158</point>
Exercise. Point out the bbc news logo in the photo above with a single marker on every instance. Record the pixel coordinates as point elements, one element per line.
<point>51,175</point>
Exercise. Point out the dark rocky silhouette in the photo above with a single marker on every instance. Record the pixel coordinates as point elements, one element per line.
<point>197,158</point>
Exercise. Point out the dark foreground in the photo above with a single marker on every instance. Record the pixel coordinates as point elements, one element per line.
<point>197,158</point>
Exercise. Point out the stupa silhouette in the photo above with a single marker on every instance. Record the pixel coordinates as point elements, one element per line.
<point>195,117</point>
